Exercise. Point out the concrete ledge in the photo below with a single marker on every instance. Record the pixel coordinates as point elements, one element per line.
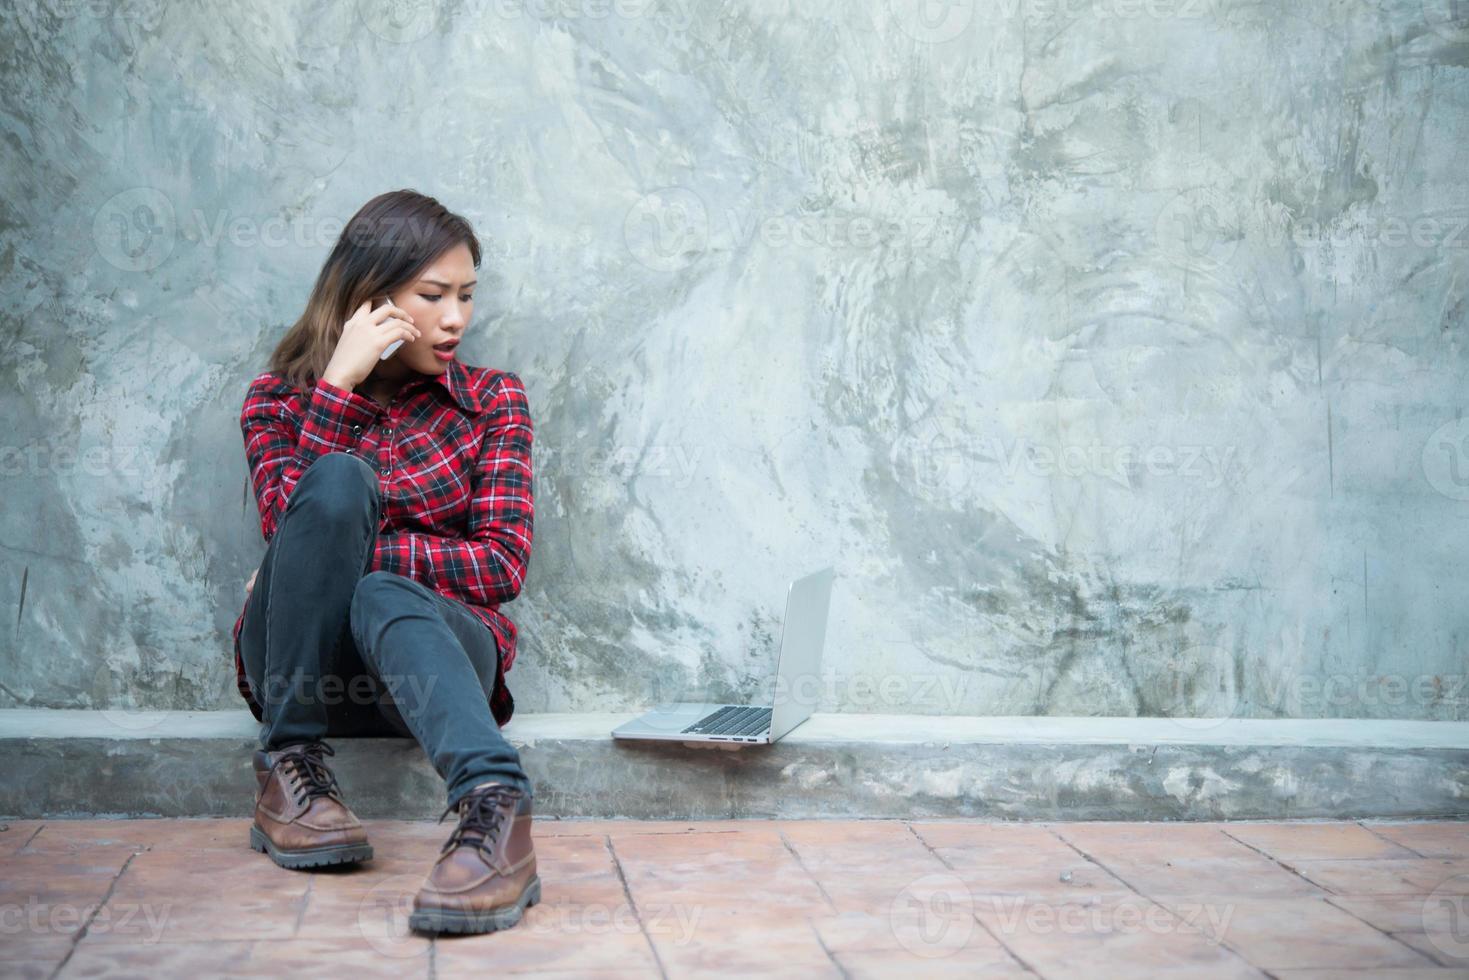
<point>61,763</point>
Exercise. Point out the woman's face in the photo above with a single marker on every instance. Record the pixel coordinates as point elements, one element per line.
<point>441,301</point>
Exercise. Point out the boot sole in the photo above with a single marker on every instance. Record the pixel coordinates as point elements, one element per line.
<point>489,920</point>
<point>313,857</point>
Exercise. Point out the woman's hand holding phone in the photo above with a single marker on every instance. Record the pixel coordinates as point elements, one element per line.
<point>369,337</point>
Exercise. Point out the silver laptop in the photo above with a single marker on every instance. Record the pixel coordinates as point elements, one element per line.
<point>797,665</point>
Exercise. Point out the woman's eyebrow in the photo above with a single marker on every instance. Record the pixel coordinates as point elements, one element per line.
<point>445,285</point>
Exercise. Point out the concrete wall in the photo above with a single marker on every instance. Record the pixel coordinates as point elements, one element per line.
<point>1112,350</point>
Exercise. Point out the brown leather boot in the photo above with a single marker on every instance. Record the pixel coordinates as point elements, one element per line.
<point>300,818</point>
<point>485,876</point>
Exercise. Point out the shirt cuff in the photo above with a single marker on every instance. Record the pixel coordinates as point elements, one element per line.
<point>335,417</point>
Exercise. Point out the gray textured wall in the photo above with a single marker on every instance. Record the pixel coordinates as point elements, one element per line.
<point>1113,350</point>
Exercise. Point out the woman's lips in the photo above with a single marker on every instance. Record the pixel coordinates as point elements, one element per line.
<point>445,353</point>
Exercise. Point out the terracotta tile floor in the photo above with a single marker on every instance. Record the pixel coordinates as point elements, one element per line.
<point>164,898</point>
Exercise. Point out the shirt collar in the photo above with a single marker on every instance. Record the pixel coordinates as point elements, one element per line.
<point>456,382</point>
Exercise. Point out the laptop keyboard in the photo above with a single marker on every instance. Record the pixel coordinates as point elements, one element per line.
<point>732,719</point>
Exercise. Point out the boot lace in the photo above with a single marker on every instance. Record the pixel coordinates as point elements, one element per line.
<point>307,773</point>
<point>481,818</point>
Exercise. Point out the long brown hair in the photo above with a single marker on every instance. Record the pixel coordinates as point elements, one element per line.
<point>388,242</point>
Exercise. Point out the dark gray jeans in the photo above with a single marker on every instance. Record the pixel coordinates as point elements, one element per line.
<point>330,649</point>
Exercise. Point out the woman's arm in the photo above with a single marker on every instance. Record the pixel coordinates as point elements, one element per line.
<point>280,447</point>
<point>489,566</point>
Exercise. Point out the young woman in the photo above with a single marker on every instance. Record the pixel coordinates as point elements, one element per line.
<point>395,499</point>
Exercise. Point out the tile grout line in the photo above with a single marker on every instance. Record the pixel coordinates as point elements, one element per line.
<point>1327,893</point>
<point>1391,935</point>
<point>1167,908</point>
<point>1024,964</point>
<point>802,865</point>
<point>33,836</point>
<point>1384,837</point>
<point>627,893</point>
<point>301,912</point>
<point>829,955</point>
<point>82,932</point>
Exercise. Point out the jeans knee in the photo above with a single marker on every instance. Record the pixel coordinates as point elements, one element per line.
<point>338,485</point>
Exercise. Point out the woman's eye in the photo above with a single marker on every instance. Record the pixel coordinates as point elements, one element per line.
<point>431,299</point>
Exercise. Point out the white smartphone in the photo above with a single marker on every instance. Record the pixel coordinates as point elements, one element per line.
<point>388,351</point>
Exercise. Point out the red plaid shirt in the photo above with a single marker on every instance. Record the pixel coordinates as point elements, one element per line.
<point>453,452</point>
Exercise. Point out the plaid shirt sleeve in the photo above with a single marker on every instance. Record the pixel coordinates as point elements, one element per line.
<point>279,447</point>
<point>488,566</point>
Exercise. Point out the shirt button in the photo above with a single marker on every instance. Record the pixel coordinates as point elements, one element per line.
<point>356,429</point>
<point>349,449</point>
